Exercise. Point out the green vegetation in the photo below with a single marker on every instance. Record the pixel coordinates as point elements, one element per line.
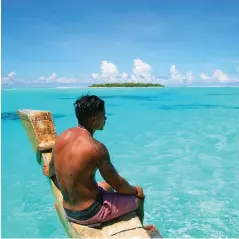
<point>131,84</point>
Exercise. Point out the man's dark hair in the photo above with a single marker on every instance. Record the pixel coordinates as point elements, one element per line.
<point>87,106</point>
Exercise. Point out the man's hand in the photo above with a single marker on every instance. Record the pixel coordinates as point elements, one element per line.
<point>46,170</point>
<point>140,193</point>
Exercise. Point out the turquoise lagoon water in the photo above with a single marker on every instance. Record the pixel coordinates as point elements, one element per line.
<point>180,144</point>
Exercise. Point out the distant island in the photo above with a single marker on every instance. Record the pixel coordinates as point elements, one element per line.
<point>127,85</point>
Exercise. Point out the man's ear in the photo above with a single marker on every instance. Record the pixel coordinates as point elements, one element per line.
<point>93,119</point>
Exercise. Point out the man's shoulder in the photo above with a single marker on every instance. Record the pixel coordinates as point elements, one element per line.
<point>63,138</point>
<point>65,134</point>
<point>99,147</point>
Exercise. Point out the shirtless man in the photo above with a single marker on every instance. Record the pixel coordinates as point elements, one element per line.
<point>76,157</point>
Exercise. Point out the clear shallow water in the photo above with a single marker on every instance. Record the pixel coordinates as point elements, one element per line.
<point>180,144</point>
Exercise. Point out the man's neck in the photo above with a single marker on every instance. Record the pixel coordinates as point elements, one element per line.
<point>88,129</point>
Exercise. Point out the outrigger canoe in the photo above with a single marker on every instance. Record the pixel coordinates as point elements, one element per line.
<point>40,128</point>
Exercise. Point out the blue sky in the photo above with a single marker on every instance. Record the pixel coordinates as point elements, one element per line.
<point>173,42</point>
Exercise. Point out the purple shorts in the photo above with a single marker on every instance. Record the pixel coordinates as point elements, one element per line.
<point>114,205</point>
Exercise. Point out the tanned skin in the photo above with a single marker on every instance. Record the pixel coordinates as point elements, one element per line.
<point>76,157</point>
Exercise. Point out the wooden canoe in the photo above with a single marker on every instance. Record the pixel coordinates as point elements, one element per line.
<point>40,128</point>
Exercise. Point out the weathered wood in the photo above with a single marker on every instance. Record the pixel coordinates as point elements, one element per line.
<point>40,129</point>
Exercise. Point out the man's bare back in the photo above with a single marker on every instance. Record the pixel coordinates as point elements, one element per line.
<point>75,160</point>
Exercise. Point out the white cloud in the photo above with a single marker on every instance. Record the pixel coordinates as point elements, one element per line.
<point>51,77</point>
<point>41,78</point>
<point>12,79</point>
<point>108,70</point>
<point>175,75</point>
<point>95,76</point>
<point>204,76</point>
<point>12,75</point>
<point>220,76</point>
<point>178,78</point>
<point>124,75</point>
<point>142,70</point>
<point>133,78</point>
<point>66,80</point>
<point>9,79</point>
<point>189,78</point>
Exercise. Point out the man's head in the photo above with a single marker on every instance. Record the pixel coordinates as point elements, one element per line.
<point>90,112</point>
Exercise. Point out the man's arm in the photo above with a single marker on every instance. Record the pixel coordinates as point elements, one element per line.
<point>109,173</point>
